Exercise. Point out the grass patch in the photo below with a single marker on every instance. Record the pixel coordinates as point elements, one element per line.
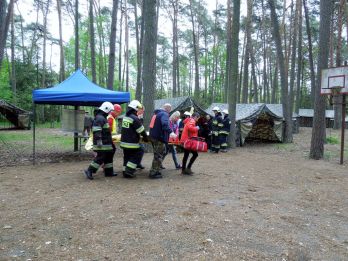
<point>284,146</point>
<point>332,140</point>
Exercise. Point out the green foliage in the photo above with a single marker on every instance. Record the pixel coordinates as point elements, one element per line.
<point>5,87</point>
<point>332,140</point>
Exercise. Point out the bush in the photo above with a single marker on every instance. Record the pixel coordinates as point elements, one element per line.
<point>332,140</point>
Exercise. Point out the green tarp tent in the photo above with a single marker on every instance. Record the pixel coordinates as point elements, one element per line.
<point>256,121</point>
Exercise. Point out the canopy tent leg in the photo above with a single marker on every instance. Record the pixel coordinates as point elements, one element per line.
<point>34,119</point>
<point>76,140</point>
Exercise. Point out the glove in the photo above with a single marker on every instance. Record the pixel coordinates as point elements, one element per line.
<point>99,143</point>
<point>172,135</point>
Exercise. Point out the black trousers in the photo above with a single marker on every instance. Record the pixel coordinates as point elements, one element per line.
<point>131,159</point>
<point>105,157</point>
<point>185,158</point>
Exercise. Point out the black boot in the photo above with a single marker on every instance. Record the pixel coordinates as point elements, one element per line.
<point>88,174</point>
<point>129,173</point>
<point>155,175</point>
<point>140,166</point>
<point>112,174</point>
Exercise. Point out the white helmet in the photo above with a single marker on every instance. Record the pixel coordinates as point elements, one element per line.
<point>106,107</point>
<point>225,111</point>
<point>135,104</point>
<point>216,108</point>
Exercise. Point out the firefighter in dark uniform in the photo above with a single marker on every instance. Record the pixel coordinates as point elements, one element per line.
<point>225,131</point>
<point>216,127</point>
<point>102,143</point>
<point>132,129</point>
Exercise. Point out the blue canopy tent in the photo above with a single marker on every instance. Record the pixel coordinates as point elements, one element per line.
<point>77,90</point>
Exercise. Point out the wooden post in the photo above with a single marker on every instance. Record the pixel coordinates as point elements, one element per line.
<point>343,124</point>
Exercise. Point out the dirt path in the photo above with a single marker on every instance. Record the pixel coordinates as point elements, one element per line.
<point>260,202</point>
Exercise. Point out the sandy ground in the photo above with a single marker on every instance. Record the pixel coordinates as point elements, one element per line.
<point>259,202</point>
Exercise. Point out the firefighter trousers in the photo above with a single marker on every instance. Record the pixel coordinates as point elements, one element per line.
<point>131,159</point>
<point>223,141</point>
<point>215,144</point>
<point>103,156</point>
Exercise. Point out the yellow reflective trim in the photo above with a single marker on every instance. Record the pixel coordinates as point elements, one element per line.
<point>128,119</point>
<point>127,145</point>
<point>95,165</point>
<point>94,129</point>
<point>131,165</point>
<point>140,129</point>
<point>108,166</point>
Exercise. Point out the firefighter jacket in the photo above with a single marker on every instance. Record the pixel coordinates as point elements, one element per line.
<point>217,124</point>
<point>131,131</point>
<point>101,132</point>
<point>226,126</point>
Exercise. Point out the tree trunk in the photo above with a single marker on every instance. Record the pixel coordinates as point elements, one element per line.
<point>77,44</point>
<point>318,130</point>
<point>126,52</point>
<point>196,51</point>
<point>284,82</point>
<point>138,89</point>
<point>4,26</point>
<point>149,60</point>
<point>299,58</point>
<point>233,73</point>
<point>293,57</point>
<point>120,86</point>
<point>275,85</point>
<point>92,41</point>
<point>61,48</point>
<point>310,52</point>
<point>44,13</point>
<point>22,33</point>
<point>111,67</point>
<point>13,61</point>
<point>175,49</point>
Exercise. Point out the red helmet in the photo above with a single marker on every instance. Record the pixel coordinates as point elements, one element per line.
<point>117,108</point>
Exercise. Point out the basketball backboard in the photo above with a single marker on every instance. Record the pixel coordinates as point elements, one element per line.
<point>334,78</point>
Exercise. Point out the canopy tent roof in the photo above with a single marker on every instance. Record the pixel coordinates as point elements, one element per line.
<point>78,90</point>
<point>180,104</point>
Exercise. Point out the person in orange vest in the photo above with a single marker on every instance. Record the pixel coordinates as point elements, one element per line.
<point>112,120</point>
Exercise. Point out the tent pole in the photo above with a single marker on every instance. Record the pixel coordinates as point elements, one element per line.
<point>76,145</point>
<point>34,119</point>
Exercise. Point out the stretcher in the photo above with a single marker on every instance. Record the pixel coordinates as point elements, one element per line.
<point>117,139</point>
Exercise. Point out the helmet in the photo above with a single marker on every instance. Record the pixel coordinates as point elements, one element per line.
<point>186,113</point>
<point>106,107</point>
<point>225,111</point>
<point>118,108</point>
<point>135,104</point>
<point>216,108</point>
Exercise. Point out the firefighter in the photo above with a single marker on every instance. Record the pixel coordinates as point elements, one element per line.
<point>216,127</point>
<point>225,131</point>
<point>102,143</point>
<point>131,131</point>
<point>112,120</point>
